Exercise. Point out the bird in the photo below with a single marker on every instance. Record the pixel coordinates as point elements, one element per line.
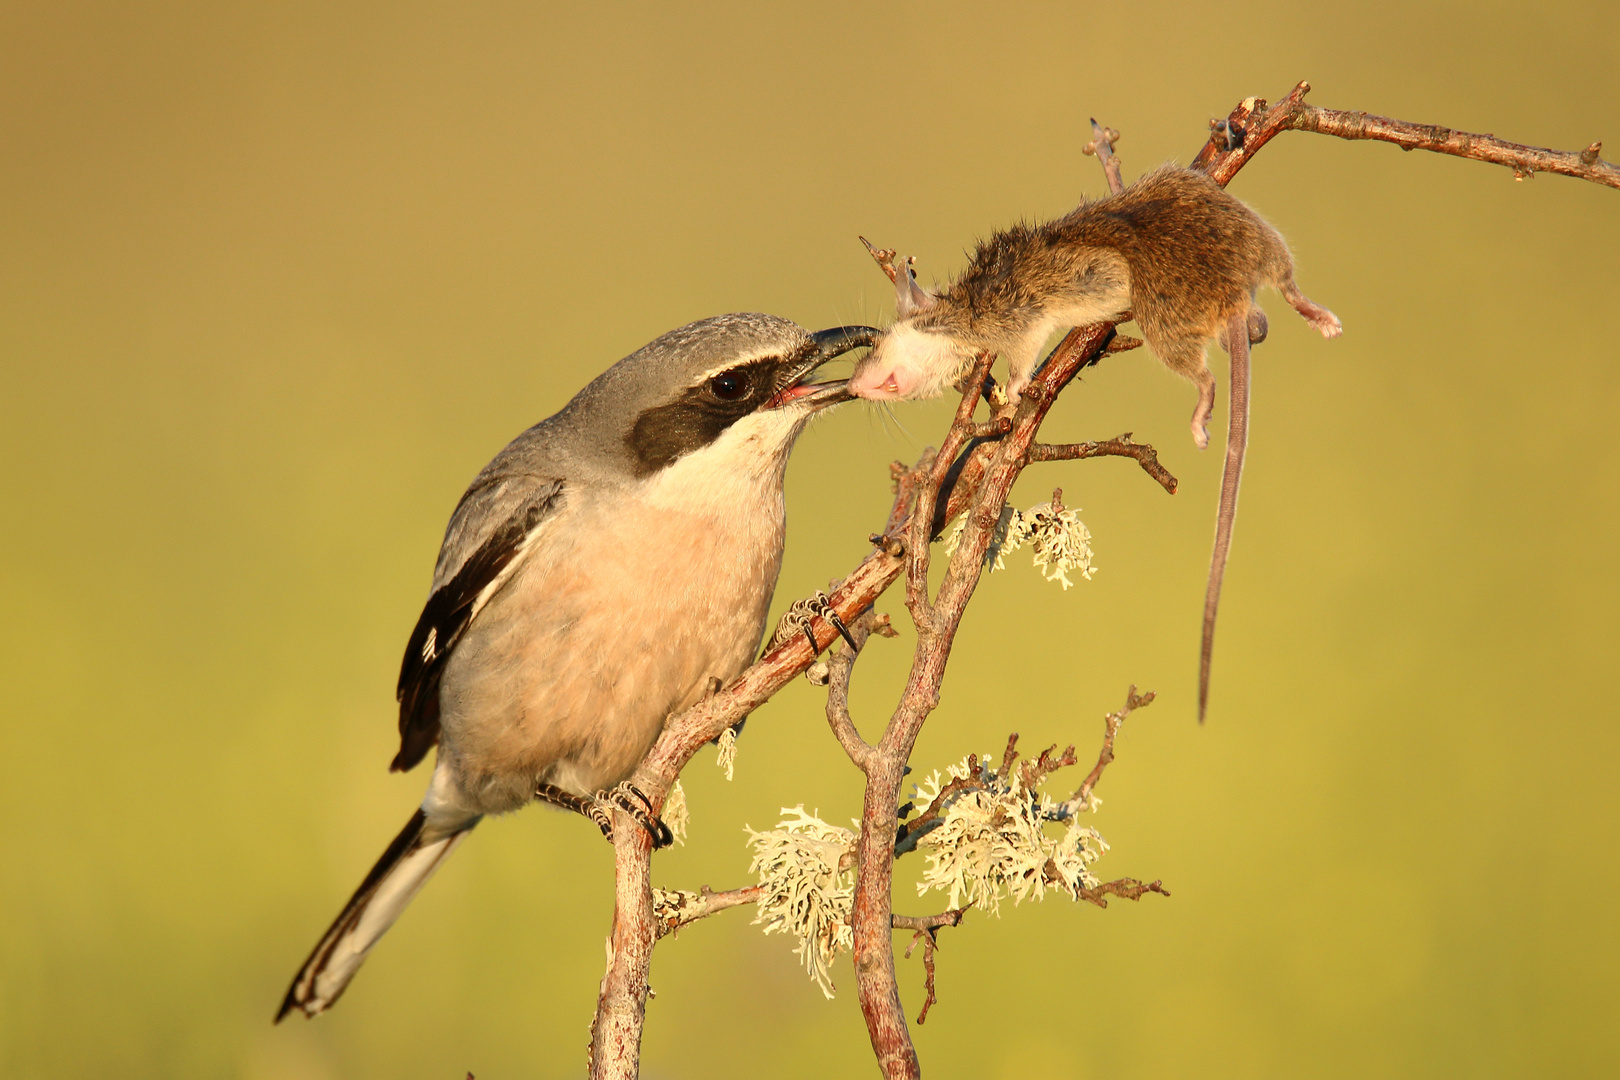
<point>594,579</point>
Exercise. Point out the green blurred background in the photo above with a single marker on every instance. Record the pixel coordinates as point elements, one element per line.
<point>275,280</point>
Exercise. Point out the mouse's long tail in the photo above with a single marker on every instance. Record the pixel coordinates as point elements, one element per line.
<point>1237,442</point>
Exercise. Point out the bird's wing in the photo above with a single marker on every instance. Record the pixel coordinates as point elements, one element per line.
<point>496,519</point>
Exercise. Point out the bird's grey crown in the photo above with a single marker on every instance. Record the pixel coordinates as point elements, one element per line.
<point>653,405</point>
<point>585,440</point>
<point>588,434</point>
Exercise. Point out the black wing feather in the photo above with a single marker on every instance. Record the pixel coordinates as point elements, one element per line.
<point>445,618</point>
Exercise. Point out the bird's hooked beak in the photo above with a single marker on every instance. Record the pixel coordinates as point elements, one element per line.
<point>825,345</point>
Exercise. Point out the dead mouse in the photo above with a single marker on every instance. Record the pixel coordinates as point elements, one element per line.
<point>1173,248</point>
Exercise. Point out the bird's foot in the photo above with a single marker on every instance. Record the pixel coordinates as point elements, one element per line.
<point>798,617</point>
<point>599,809</point>
<point>629,798</point>
<point>583,805</point>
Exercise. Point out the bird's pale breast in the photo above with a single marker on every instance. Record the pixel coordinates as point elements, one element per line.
<point>567,675</point>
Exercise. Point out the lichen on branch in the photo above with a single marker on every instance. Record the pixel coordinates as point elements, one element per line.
<point>808,888</point>
<point>999,839</point>
<point>1058,540</point>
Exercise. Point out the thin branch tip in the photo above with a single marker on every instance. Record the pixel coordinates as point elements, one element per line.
<point>1251,125</point>
<point>1124,888</point>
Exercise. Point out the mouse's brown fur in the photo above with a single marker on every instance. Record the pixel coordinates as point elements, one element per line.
<point>1174,249</point>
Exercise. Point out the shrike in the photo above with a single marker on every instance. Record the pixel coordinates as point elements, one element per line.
<point>594,577</point>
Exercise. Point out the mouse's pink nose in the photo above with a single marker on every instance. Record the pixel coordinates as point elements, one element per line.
<point>876,384</point>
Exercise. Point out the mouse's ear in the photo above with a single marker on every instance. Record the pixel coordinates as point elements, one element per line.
<point>910,298</point>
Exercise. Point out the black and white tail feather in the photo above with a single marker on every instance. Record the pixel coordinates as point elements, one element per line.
<point>403,869</point>
<point>474,564</point>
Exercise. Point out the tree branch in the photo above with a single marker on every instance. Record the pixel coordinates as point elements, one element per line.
<point>1121,446</point>
<point>1081,799</point>
<point>971,474</point>
<point>907,834</point>
<point>840,669</point>
<point>687,908</point>
<point>885,768</point>
<point>621,1003</point>
<point>952,917</point>
<point>1127,888</point>
<point>1031,773</point>
<point>927,932</point>
<point>1251,125</point>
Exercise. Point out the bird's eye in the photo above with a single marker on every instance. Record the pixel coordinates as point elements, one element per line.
<point>729,385</point>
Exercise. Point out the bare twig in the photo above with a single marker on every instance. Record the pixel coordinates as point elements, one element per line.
<point>952,917</point>
<point>930,946</point>
<point>1105,758</point>
<point>1033,772</point>
<point>991,429</point>
<point>705,903</point>
<point>1125,888</point>
<point>920,530</point>
<point>927,932</point>
<point>1008,756</point>
<point>907,834</point>
<point>1102,144</point>
<point>839,670</point>
<point>1122,446</point>
<point>1253,125</point>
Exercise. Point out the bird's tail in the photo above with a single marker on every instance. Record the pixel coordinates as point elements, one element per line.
<point>407,864</point>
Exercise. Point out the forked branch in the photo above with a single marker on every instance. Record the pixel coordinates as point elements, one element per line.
<point>1121,446</point>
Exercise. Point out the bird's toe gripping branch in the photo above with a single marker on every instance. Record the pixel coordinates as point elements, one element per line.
<point>798,617</point>
<point>629,798</point>
<point>599,807</point>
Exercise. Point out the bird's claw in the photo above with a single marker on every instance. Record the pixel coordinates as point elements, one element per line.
<point>598,808</point>
<point>629,798</point>
<point>797,619</point>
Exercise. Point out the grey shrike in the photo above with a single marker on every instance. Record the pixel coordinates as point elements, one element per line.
<point>593,579</point>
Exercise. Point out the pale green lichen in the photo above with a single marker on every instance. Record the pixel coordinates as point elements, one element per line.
<point>1058,540</point>
<point>807,895</point>
<point>676,813</point>
<point>728,751</point>
<point>994,841</point>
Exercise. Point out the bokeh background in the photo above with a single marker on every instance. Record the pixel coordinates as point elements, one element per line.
<point>276,279</point>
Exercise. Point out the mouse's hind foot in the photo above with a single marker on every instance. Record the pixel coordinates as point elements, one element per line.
<point>1321,319</point>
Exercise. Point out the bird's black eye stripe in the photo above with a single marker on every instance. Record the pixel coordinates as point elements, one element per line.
<point>699,414</point>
